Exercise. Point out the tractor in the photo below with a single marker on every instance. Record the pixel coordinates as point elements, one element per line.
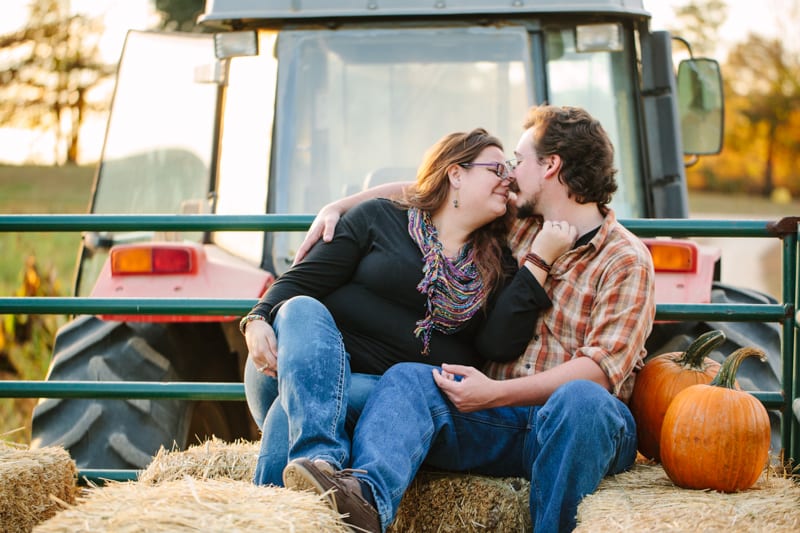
<point>282,107</point>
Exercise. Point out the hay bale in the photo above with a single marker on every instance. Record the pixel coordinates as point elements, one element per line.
<point>449,502</point>
<point>212,459</point>
<point>644,499</point>
<point>195,505</point>
<point>34,484</point>
<point>435,501</point>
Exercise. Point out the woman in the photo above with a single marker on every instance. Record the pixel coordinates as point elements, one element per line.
<point>428,279</point>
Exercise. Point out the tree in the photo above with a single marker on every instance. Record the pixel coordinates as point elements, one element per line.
<point>179,14</point>
<point>699,22</point>
<point>46,72</point>
<point>768,75</point>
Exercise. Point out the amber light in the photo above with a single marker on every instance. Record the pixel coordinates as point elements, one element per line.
<point>673,256</point>
<point>152,260</point>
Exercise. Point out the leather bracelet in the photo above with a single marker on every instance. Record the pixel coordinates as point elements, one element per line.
<point>538,261</point>
<point>247,319</point>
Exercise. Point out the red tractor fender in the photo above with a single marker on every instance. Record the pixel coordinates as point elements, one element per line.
<point>205,271</point>
<point>684,270</point>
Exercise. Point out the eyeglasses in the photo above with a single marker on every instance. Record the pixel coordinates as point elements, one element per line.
<point>499,169</point>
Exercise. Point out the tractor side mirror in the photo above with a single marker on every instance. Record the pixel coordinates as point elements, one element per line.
<point>700,106</point>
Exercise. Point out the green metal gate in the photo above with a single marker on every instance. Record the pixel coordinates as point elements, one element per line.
<point>786,400</point>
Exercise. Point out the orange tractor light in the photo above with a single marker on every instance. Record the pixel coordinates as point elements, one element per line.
<point>152,259</point>
<point>672,256</point>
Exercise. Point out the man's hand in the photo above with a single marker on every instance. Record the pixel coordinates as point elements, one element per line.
<point>323,226</point>
<point>262,346</point>
<point>466,387</point>
<point>325,222</point>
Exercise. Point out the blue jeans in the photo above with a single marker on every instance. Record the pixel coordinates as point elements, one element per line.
<point>565,447</point>
<point>314,387</point>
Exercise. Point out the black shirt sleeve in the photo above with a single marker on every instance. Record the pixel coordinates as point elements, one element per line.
<point>367,277</point>
<point>512,315</point>
<point>327,266</point>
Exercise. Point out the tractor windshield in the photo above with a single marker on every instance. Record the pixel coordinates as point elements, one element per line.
<point>601,81</point>
<point>360,107</point>
<point>157,155</point>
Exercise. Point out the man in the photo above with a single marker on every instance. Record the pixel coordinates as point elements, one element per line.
<point>556,415</point>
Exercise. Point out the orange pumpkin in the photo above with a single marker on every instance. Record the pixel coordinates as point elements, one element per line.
<point>714,436</point>
<point>661,379</point>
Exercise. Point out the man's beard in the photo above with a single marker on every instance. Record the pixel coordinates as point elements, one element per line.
<point>526,210</point>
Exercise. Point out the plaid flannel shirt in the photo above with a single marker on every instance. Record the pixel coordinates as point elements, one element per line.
<point>603,307</point>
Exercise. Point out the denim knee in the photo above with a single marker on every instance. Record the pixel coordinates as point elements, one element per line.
<point>579,393</point>
<point>409,373</point>
<point>296,309</point>
<point>585,406</point>
<point>415,380</point>
<point>303,326</point>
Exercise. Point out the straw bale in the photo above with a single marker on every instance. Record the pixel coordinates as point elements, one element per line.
<point>34,484</point>
<point>435,501</point>
<point>212,459</point>
<point>191,504</point>
<point>644,499</point>
<point>449,502</point>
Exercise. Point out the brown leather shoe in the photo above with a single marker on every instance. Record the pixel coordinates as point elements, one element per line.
<point>341,488</point>
<point>295,478</point>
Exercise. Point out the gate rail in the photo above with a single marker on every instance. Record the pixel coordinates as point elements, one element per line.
<point>787,400</point>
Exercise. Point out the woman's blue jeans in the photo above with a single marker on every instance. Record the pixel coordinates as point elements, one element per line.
<point>318,399</point>
<point>565,447</point>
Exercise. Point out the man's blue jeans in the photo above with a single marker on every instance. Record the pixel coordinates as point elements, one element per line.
<point>314,386</point>
<point>564,447</point>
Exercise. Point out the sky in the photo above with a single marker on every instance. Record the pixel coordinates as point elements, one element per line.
<point>767,17</point>
<point>120,15</point>
<point>743,16</point>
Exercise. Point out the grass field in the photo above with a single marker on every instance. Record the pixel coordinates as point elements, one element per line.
<point>739,206</point>
<point>34,189</point>
<point>40,190</point>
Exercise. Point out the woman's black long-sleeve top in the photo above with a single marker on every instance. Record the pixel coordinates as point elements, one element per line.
<point>367,278</point>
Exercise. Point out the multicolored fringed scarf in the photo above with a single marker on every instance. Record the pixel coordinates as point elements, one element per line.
<point>454,288</point>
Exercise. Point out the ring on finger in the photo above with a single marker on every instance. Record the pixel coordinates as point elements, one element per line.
<point>262,368</point>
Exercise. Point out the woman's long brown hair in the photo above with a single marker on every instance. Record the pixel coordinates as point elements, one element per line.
<point>432,187</point>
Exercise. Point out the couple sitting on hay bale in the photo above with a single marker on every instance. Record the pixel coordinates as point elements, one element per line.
<point>371,344</point>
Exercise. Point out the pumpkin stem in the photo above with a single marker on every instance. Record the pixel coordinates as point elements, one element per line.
<point>726,377</point>
<point>697,351</point>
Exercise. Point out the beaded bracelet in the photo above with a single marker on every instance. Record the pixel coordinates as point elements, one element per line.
<point>247,319</point>
<point>538,261</point>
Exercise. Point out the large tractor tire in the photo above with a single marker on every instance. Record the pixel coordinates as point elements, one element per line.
<point>125,434</point>
<point>753,375</point>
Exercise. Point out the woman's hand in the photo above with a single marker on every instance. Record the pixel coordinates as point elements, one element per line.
<point>554,239</point>
<point>323,226</point>
<point>262,346</point>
